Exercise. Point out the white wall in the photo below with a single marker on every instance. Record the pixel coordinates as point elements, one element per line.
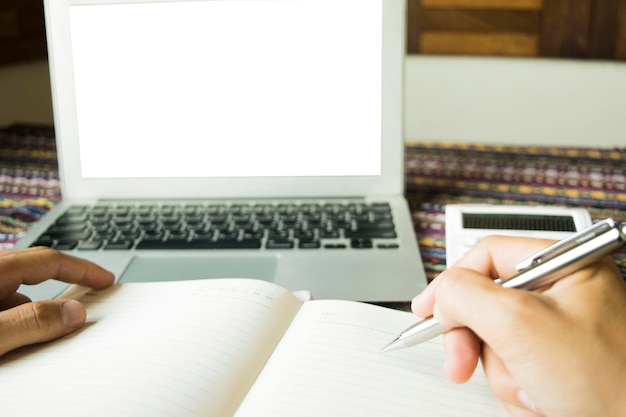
<point>25,94</point>
<point>480,100</point>
<point>516,101</point>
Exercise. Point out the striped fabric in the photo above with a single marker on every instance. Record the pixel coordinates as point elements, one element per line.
<point>29,179</point>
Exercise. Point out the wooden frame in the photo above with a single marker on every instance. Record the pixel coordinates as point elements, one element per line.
<point>583,29</point>
<point>22,31</point>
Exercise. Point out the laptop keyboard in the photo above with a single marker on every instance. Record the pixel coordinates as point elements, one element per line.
<point>223,226</point>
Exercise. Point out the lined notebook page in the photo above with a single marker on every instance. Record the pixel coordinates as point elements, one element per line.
<point>152,349</point>
<point>328,365</point>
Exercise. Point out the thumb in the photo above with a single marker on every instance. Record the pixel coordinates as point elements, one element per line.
<point>38,322</point>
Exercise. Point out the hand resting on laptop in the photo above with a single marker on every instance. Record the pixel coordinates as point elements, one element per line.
<point>23,322</point>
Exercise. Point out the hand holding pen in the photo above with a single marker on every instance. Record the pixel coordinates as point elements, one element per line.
<point>561,350</point>
<point>541,269</point>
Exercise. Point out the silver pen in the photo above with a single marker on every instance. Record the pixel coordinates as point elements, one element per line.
<point>543,268</point>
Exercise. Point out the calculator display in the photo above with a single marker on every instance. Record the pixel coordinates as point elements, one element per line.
<point>502,221</point>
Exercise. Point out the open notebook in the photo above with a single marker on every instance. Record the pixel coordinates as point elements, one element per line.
<point>233,138</point>
<point>234,348</point>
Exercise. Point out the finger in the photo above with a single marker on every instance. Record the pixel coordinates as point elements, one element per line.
<point>466,298</point>
<point>462,349</point>
<point>13,300</point>
<point>35,265</point>
<point>39,322</point>
<point>496,256</point>
<point>491,257</point>
<point>502,382</point>
<point>422,304</point>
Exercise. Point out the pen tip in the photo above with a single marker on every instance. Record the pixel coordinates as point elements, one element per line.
<point>396,344</point>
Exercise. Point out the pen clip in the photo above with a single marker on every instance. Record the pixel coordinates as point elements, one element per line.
<point>567,244</point>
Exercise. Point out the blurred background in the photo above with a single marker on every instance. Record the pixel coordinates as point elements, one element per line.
<point>546,72</point>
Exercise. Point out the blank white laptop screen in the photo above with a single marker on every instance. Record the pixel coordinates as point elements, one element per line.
<point>228,88</point>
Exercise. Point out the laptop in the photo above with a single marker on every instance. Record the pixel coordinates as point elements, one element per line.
<point>233,138</point>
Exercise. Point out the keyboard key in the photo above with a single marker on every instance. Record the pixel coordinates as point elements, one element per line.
<point>361,243</point>
<point>65,236</point>
<point>335,246</point>
<point>44,241</point>
<point>200,244</point>
<point>387,246</point>
<point>65,245</point>
<point>91,245</point>
<point>329,234</point>
<point>66,228</point>
<point>238,244</point>
<point>309,244</point>
<point>119,245</point>
<point>279,244</point>
<point>371,233</point>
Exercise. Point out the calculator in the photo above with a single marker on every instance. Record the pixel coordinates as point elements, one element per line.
<point>466,224</point>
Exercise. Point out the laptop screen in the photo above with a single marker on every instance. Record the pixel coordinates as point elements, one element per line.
<point>242,88</point>
<point>227,98</point>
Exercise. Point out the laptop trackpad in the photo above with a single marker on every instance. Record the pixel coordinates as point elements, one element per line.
<point>164,268</point>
